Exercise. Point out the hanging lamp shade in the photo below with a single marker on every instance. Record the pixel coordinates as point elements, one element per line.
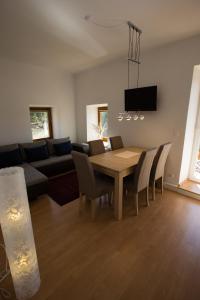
<point>17,233</point>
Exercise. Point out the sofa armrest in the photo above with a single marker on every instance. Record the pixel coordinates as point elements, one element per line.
<point>81,147</point>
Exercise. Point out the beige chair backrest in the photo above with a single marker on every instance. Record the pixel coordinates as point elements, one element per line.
<point>96,147</point>
<point>143,169</point>
<point>85,173</point>
<point>160,161</point>
<point>116,142</point>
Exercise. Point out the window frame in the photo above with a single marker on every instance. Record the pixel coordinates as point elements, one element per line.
<point>50,125</point>
<point>102,109</point>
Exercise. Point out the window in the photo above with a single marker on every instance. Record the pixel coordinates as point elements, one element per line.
<point>41,123</point>
<point>103,121</point>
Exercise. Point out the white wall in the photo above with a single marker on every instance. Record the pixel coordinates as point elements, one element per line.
<point>171,68</point>
<point>23,85</point>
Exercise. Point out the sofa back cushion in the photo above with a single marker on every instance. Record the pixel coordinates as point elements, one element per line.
<point>36,153</point>
<point>28,146</point>
<point>63,148</point>
<point>10,156</point>
<point>52,142</point>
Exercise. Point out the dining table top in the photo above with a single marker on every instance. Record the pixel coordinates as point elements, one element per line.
<point>118,160</point>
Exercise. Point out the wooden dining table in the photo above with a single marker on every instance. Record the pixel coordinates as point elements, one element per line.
<point>117,164</point>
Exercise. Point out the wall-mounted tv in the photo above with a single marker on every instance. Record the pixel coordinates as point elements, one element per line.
<point>141,99</point>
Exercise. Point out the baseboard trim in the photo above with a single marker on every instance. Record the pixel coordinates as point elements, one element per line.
<point>177,189</point>
<point>170,186</point>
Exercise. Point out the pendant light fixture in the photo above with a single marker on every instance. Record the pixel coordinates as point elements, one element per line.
<point>133,59</point>
<point>133,55</point>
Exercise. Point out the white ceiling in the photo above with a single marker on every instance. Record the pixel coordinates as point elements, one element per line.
<point>54,33</point>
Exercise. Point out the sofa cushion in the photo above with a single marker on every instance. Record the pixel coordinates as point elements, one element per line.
<point>81,147</point>
<point>33,176</point>
<point>36,153</point>
<point>54,165</point>
<point>30,146</point>
<point>9,147</point>
<point>51,160</point>
<point>10,155</point>
<point>63,148</point>
<point>51,142</point>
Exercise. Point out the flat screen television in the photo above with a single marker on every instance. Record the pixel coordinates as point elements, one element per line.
<point>141,99</point>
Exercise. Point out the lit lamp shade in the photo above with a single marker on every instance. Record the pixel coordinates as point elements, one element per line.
<point>17,232</point>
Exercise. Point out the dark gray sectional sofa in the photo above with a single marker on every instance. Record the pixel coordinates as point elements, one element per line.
<point>36,182</point>
<point>36,171</point>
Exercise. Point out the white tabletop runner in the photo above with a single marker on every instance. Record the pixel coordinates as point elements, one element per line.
<point>126,154</point>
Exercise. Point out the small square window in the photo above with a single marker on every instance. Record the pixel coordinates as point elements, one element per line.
<point>41,123</point>
<point>103,122</point>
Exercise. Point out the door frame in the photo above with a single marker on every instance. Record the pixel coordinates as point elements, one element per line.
<point>195,148</point>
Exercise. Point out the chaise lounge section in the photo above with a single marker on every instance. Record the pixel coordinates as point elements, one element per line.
<point>36,182</point>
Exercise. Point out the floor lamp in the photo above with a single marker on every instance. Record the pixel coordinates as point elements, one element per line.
<point>17,233</point>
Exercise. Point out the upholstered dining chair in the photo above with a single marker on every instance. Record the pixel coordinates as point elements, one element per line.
<point>116,142</point>
<point>96,147</point>
<point>158,167</point>
<point>91,186</point>
<point>140,179</point>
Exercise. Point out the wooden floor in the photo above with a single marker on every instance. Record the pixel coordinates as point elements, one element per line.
<point>154,256</point>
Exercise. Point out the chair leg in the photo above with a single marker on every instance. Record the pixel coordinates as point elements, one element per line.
<point>110,198</point>
<point>147,195</point>
<point>162,185</point>
<point>126,193</point>
<point>81,196</point>
<point>100,201</point>
<point>136,203</point>
<point>107,198</point>
<point>153,190</point>
<point>93,208</point>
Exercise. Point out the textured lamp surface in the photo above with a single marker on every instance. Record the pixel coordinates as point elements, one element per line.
<point>17,232</point>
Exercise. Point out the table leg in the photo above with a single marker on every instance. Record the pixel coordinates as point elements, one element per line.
<point>118,196</point>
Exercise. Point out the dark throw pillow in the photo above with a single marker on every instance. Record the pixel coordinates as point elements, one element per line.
<point>36,153</point>
<point>10,158</point>
<point>63,148</point>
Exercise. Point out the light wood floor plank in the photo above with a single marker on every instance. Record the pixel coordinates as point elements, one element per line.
<point>150,257</point>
